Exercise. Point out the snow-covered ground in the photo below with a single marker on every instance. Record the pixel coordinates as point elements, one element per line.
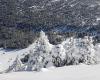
<point>7,57</point>
<point>80,72</point>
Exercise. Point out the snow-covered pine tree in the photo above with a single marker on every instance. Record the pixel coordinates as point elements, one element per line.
<point>40,54</point>
<point>58,55</point>
<point>79,50</point>
<point>69,47</point>
<point>89,53</point>
<point>82,51</point>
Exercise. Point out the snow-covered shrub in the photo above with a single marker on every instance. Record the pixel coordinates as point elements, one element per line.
<point>89,51</point>
<point>80,50</point>
<point>39,56</point>
<point>16,66</point>
<point>58,55</point>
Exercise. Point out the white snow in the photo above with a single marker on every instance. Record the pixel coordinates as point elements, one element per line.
<point>80,72</point>
<point>7,57</point>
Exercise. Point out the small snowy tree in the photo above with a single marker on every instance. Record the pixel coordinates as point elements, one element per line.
<point>58,54</point>
<point>40,54</point>
<point>69,47</point>
<point>79,50</point>
<point>89,55</point>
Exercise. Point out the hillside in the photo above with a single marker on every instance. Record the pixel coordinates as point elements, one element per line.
<point>49,13</point>
<point>21,20</point>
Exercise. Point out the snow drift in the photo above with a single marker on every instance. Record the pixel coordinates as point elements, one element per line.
<point>80,72</point>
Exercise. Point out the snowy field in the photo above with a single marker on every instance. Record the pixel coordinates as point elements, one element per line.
<point>80,72</point>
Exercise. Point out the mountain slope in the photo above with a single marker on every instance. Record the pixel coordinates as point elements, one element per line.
<point>50,12</point>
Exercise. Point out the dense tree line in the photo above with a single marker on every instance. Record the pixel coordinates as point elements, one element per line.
<point>47,13</point>
<point>21,21</point>
<point>14,38</point>
<point>21,38</point>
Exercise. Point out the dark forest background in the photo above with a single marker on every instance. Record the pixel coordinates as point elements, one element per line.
<point>22,20</point>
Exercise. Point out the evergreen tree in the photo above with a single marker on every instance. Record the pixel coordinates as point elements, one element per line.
<point>40,53</point>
